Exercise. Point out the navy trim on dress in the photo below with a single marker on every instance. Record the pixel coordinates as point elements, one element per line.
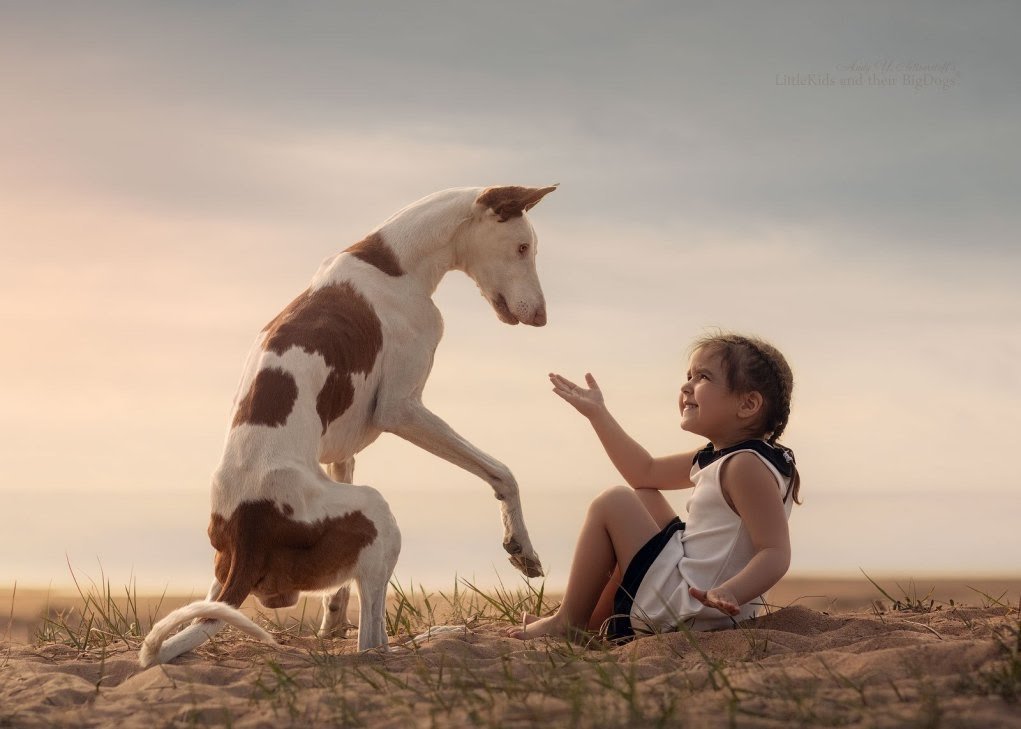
<point>781,458</point>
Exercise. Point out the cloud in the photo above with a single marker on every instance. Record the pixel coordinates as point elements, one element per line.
<point>658,112</point>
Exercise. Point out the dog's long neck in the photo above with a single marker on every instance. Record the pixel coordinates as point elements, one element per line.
<point>426,235</point>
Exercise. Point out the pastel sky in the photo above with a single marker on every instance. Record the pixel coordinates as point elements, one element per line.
<point>842,181</point>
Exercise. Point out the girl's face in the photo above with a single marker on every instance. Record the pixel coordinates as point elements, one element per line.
<point>709,407</point>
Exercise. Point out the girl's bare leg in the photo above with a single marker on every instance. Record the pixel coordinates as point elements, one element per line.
<point>616,526</point>
<point>604,606</point>
<point>661,511</point>
<point>657,505</point>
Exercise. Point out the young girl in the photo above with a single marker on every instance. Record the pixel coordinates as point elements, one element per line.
<point>637,566</point>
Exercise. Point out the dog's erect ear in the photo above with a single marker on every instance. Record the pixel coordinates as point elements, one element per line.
<point>512,200</point>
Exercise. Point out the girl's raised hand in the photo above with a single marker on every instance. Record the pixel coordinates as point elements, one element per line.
<point>587,401</point>
<point>722,600</point>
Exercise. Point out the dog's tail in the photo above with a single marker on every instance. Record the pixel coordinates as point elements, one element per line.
<point>157,649</point>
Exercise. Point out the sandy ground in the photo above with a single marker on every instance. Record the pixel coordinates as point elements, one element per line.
<point>835,658</point>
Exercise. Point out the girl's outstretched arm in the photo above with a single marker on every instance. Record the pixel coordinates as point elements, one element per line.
<point>753,492</point>
<point>635,464</point>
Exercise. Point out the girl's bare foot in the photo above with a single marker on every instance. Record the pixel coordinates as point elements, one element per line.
<point>526,619</point>
<point>553,625</point>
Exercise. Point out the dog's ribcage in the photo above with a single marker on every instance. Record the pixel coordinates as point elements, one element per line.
<point>318,368</point>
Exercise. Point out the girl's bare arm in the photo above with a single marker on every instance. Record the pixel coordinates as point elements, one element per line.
<point>635,464</point>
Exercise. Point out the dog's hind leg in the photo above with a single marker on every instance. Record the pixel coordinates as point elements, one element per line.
<point>372,614</point>
<point>335,623</point>
<point>374,570</point>
<point>376,556</point>
<point>214,591</point>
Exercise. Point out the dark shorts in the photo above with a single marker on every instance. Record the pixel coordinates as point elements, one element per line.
<point>619,625</point>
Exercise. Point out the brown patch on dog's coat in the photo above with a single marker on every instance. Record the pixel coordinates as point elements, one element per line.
<point>512,201</point>
<point>269,401</point>
<point>374,250</point>
<point>337,323</point>
<point>260,550</point>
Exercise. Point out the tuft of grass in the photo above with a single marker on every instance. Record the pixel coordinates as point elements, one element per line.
<point>990,601</point>
<point>103,618</point>
<point>509,605</point>
<point>413,611</point>
<point>406,616</point>
<point>909,600</point>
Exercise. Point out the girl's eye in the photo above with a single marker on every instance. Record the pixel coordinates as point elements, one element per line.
<point>523,249</point>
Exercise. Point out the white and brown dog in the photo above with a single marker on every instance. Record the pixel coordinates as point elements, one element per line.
<point>345,361</point>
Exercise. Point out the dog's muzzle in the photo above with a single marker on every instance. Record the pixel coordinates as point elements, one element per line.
<point>504,313</point>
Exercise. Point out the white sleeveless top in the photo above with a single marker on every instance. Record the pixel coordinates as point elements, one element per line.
<point>713,547</point>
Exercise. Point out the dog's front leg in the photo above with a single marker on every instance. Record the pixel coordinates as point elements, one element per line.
<point>342,472</point>
<point>335,623</point>
<point>417,424</point>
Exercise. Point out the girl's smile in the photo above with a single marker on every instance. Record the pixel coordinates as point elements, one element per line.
<point>708,406</point>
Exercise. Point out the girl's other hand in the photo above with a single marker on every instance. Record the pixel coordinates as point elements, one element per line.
<point>587,401</point>
<point>722,600</point>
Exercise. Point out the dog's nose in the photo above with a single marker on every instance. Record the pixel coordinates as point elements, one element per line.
<point>539,318</point>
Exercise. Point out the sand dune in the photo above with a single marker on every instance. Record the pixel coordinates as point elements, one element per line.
<point>948,666</point>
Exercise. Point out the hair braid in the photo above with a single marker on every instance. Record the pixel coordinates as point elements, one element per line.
<point>781,410</point>
<point>779,405</point>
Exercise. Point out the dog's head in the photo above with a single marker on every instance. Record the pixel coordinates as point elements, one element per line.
<point>499,250</point>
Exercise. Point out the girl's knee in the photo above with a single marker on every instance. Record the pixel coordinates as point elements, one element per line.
<point>613,495</point>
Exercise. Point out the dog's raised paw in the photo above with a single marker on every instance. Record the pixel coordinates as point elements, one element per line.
<point>526,565</point>
<point>511,546</point>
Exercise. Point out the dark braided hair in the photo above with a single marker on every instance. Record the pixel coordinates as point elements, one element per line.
<point>754,365</point>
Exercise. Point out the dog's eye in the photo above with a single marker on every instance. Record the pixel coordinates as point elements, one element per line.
<point>523,249</point>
